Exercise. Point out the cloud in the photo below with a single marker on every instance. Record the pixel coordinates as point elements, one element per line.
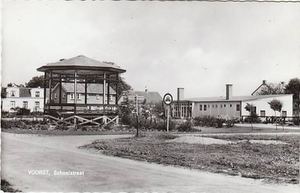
<point>197,45</point>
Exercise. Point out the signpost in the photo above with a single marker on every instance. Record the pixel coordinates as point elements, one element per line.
<point>136,111</point>
<point>168,99</point>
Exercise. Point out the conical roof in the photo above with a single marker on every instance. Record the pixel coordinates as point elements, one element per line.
<point>81,63</point>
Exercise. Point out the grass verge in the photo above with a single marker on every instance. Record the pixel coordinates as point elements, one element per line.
<point>271,162</point>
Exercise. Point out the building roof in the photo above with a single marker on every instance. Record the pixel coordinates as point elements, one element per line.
<point>268,88</point>
<point>80,63</point>
<point>234,98</point>
<point>91,88</point>
<point>151,97</point>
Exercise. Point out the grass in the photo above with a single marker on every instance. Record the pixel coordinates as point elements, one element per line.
<point>6,187</point>
<point>274,163</point>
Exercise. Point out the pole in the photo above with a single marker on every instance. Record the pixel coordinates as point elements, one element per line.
<point>168,118</point>
<point>75,96</point>
<point>137,115</point>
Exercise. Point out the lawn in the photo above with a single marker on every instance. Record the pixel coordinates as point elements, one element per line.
<point>271,162</point>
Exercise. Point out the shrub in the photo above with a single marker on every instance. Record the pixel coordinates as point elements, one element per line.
<point>108,126</point>
<point>219,122</point>
<point>12,124</point>
<point>185,127</point>
<point>254,118</point>
<point>229,122</point>
<point>205,121</point>
<point>162,126</point>
<point>62,127</point>
<point>296,121</point>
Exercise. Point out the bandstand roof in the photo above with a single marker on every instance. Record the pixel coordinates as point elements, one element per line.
<point>83,65</point>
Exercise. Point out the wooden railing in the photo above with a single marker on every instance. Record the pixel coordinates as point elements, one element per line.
<point>88,109</point>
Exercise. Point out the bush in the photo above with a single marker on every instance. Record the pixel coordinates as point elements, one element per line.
<point>207,121</point>
<point>162,126</point>
<point>219,122</point>
<point>254,118</point>
<point>62,127</point>
<point>185,127</point>
<point>296,121</point>
<point>12,124</point>
<point>108,126</point>
<point>229,122</point>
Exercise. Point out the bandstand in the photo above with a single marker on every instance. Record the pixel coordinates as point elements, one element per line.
<point>80,91</point>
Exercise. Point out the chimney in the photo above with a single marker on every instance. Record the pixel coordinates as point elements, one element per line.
<point>146,90</point>
<point>180,93</point>
<point>228,91</point>
<point>264,82</point>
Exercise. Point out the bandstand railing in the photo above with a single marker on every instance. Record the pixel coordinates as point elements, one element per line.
<point>81,113</point>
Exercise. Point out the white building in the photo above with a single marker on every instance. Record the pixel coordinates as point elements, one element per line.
<point>231,106</point>
<point>22,97</point>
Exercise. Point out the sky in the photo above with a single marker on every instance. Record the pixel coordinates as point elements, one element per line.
<point>198,46</point>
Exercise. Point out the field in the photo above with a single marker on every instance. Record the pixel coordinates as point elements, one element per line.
<point>271,162</point>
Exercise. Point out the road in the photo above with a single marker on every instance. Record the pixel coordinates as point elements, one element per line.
<point>24,153</point>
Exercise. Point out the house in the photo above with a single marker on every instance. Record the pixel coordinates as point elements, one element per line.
<point>149,98</point>
<point>269,88</point>
<point>94,94</point>
<point>231,106</point>
<point>22,97</point>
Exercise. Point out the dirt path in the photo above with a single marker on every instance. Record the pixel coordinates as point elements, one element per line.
<point>23,153</point>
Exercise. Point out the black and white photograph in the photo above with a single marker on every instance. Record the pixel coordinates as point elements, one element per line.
<point>150,96</point>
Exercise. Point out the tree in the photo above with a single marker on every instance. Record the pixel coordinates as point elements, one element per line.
<point>253,116</point>
<point>36,81</point>
<point>293,87</point>
<point>3,92</point>
<point>122,86</point>
<point>158,110</point>
<point>275,105</point>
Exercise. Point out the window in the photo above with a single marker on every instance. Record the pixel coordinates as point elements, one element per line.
<point>213,106</point>
<point>205,107</point>
<point>221,106</point>
<point>230,105</point>
<point>216,106</point>
<point>110,98</point>
<point>238,107</point>
<point>12,104</point>
<point>225,105</point>
<point>72,96</point>
<point>200,107</point>
<point>25,104</point>
<point>284,113</point>
<point>12,93</point>
<point>64,96</point>
<point>262,113</point>
<point>55,95</point>
<point>37,104</point>
<point>98,97</point>
<point>37,93</point>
